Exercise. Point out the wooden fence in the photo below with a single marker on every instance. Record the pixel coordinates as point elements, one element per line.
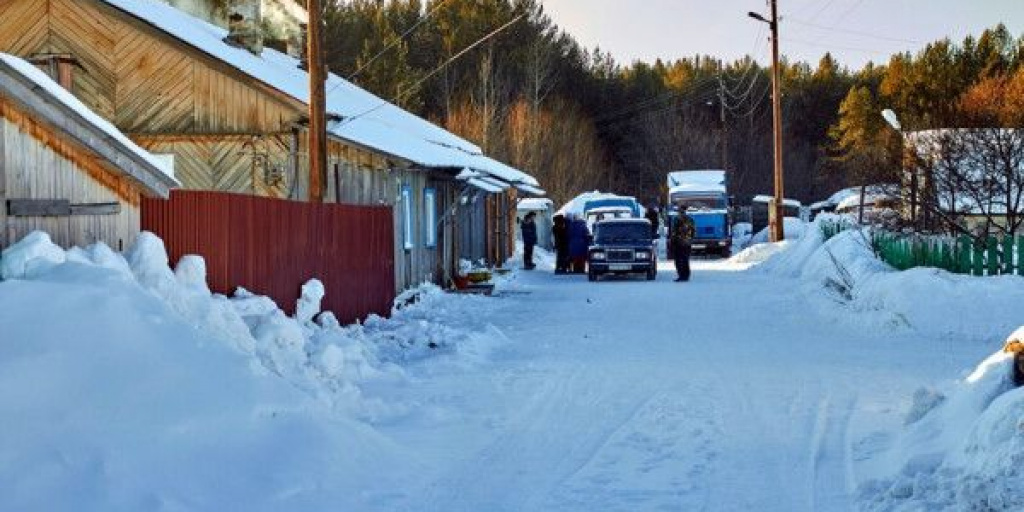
<point>271,247</point>
<point>990,256</point>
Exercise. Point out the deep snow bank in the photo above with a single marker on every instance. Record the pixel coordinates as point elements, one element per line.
<point>932,301</point>
<point>126,385</point>
<point>963,448</point>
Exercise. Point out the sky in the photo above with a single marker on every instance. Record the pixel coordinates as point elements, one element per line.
<point>855,31</point>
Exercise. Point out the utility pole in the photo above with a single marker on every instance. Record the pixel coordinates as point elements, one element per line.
<point>778,228</point>
<point>317,104</point>
<point>725,129</point>
<point>777,214</point>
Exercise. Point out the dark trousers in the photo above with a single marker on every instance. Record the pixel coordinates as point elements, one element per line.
<point>528,255</point>
<point>682,258</point>
<point>562,264</point>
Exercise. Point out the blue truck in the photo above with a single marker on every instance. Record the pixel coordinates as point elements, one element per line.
<point>704,197</point>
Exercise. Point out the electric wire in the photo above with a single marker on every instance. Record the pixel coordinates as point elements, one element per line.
<point>434,72</point>
<point>394,42</point>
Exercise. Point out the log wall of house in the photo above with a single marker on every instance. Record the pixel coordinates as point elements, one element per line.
<point>37,165</point>
<point>227,131</point>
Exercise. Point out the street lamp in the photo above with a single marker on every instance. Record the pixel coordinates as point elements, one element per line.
<point>758,17</point>
<point>777,215</point>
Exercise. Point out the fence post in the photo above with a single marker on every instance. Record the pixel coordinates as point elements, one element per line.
<point>978,259</point>
<point>993,256</point>
<point>1008,254</point>
<point>1020,256</point>
<point>959,255</point>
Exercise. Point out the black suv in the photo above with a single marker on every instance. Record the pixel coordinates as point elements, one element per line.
<point>622,246</point>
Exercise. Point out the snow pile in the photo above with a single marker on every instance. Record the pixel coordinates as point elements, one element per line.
<point>932,301</point>
<point>36,253</point>
<point>311,350</point>
<point>962,449</point>
<point>742,234</point>
<point>794,229</point>
<point>759,253</point>
<point>126,385</point>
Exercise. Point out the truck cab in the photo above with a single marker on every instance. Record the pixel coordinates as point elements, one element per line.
<point>702,196</point>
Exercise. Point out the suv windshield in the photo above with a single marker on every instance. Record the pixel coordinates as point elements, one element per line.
<point>613,232</point>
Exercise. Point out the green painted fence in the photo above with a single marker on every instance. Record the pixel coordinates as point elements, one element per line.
<point>990,257</point>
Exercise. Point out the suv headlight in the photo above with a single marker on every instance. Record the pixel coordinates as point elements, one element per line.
<point>643,255</point>
<point>598,255</point>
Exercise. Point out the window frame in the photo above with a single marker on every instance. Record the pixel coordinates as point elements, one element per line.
<point>430,217</point>
<point>408,233</point>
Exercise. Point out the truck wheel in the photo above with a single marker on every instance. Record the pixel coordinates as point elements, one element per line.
<point>591,276</point>
<point>652,274</point>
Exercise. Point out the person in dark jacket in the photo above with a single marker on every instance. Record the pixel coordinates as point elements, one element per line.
<point>579,243</point>
<point>683,232</point>
<point>529,230</point>
<point>560,234</point>
<point>652,216</point>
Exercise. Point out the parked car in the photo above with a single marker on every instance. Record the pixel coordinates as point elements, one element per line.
<point>623,247</point>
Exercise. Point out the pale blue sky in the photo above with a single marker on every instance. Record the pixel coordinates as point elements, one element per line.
<point>855,31</point>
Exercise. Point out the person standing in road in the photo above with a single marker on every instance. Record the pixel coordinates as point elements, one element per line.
<point>529,230</point>
<point>579,243</point>
<point>652,216</point>
<point>560,234</point>
<point>683,232</point>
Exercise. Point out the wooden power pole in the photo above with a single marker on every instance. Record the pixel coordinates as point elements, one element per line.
<point>724,127</point>
<point>317,104</point>
<point>778,214</point>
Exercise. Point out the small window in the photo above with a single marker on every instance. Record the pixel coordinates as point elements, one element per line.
<point>407,229</point>
<point>430,216</point>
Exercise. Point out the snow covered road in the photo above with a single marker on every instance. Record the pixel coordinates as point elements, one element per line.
<point>731,392</point>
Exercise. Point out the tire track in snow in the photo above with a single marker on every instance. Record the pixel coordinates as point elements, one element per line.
<point>569,418</point>
<point>830,456</point>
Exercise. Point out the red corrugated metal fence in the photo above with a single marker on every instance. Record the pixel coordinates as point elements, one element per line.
<point>271,247</point>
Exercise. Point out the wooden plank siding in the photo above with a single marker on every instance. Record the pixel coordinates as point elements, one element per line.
<point>39,165</point>
<point>172,98</point>
<point>4,236</point>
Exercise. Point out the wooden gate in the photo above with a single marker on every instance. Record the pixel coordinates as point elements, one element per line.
<point>271,247</point>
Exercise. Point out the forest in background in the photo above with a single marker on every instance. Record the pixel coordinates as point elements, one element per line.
<point>578,120</point>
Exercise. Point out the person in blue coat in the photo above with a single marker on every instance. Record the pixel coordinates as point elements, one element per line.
<point>579,243</point>
<point>529,230</point>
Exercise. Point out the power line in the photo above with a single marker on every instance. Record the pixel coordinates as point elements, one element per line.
<point>435,71</point>
<point>819,44</point>
<point>706,96</point>
<point>694,90</point>
<point>852,32</point>
<point>398,40</point>
<point>690,89</point>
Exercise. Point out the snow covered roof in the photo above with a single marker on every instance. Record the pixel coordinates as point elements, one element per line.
<point>366,119</point>
<point>20,79</point>
<point>535,205</point>
<point>577,204</point>
<point>699,180</point>
<point>788,202</point>
<point>879,189</point>
<point>871,197</point>
<point>929,143</point>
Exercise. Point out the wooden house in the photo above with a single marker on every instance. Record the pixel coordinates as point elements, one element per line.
<point>65,170</point>
<point>234,115</point>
